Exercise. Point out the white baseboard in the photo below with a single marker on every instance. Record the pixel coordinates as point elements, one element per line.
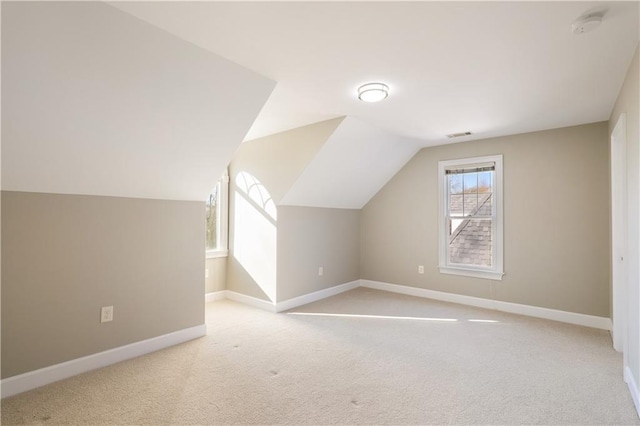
<point>429,294</point>
<point>215,296</point>
<point>33,379</point>
<point>316,295</point>
<point>251,301</point>
<point>592,321</point>
<point>633,388</point>
<point>514,308</point>
<point>291,303</point>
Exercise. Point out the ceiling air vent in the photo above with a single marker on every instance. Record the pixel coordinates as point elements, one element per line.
<point>458,135</point>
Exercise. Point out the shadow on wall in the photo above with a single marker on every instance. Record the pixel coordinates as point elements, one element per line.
<point>255,236</point>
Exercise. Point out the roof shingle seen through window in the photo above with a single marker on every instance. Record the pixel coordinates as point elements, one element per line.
<point>470,241</point>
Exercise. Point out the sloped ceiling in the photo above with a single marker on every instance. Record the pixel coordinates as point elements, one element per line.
<point>351,167</point>
<point>96,101</point>
<point>491,67</point>
<point>276,161</point>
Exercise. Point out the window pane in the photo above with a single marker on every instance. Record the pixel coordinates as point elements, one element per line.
<point>470,183</point>
<point>455,205</point>
<point>470,193</point>
<point>211,215</point>
<point>470,242</point>
<point>455,195</point>
<point>486,203</point>
<point>470,203</point>
<point>455,184</point>
<point>485,182</point>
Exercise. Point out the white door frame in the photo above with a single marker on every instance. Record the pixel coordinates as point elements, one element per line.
<point>619,248</point>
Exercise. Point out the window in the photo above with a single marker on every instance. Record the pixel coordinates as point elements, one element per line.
<point>216,219</point>
<point>470,217</point>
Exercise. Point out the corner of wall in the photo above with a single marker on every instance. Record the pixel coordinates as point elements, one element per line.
<point>261,173</point>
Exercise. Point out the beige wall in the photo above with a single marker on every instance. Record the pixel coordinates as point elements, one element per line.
<point>310,237</point>
<point>66,256</point>
<point>556,221</point>
<point>216,274</point>
<point>627,102</point>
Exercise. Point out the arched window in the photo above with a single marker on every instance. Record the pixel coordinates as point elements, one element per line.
<point>216,219</point>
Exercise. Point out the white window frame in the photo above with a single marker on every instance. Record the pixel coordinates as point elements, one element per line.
<point>222,219</point>
<point>496,271</point>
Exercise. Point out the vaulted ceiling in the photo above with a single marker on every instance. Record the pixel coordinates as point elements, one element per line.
<point>353,164</point>
<point>97,102</point>
<point>492,68</point>
<point>151,99</point>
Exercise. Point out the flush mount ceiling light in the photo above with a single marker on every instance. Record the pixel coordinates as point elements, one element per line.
<point>373,92</point>
<point>586,23</point>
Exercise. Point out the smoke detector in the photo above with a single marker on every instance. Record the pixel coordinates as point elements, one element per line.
<point>586,23</point>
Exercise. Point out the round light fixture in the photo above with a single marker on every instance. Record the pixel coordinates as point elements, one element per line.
<point>373,92</point>
<point>586,23</point>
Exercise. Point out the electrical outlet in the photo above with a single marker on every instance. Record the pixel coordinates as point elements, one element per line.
<point>320,271</point>
<point>106,314</point>
<point>421,269</point>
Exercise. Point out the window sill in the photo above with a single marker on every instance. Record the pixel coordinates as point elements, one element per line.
<point>214,254</point>
<point>475,273</point>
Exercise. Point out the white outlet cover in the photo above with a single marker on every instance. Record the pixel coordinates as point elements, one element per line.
<point>106,314</point>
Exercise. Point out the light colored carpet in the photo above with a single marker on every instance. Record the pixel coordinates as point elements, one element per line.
<point>362,357</point>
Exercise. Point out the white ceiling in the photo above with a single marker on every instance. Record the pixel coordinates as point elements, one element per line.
<point>95,101</point>
<point>493,68</point>
<point>351,167</point>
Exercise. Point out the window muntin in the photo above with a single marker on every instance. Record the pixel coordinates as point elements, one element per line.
<point>471,217</point>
